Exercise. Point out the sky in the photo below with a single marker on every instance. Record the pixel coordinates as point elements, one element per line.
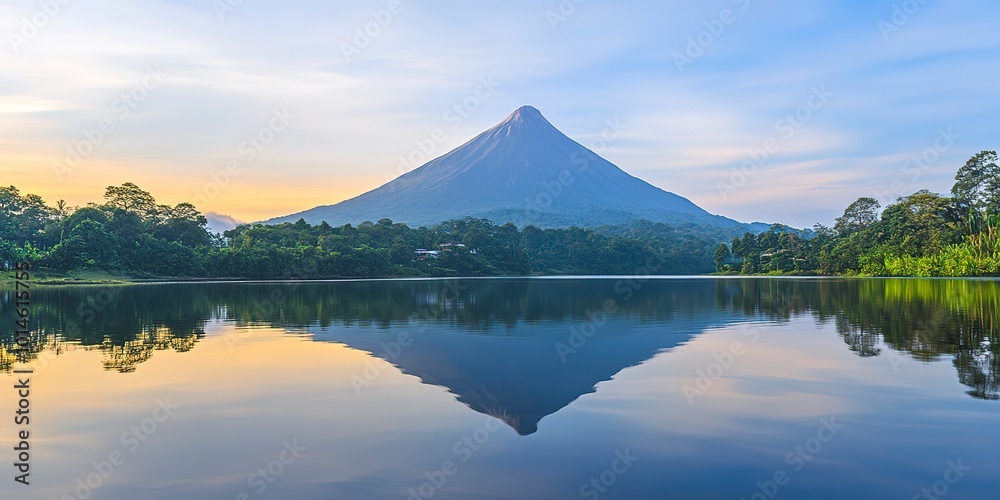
<point>775,111</point>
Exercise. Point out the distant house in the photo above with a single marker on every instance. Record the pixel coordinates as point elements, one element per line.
<point>423,253</point>
<point>772,254</point>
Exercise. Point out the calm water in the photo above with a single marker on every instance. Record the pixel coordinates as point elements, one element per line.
<point>512,388</point>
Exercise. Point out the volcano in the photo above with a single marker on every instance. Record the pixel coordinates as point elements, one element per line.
<point>523,171</point>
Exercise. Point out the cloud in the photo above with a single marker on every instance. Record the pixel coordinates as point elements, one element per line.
<point>355,118</point>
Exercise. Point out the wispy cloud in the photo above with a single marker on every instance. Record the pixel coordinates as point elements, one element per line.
<point>356,117</point>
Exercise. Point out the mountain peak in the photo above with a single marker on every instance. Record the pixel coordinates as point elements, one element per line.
<point>524,114</point>
<point>527,110</point>
<point>525,171</point>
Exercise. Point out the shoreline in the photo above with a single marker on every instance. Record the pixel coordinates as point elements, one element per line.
<point>6,278</point>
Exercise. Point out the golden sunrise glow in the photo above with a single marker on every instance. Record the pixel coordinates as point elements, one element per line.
<point>251,197</point>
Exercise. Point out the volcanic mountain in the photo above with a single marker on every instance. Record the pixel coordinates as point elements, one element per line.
<point>524,171</point>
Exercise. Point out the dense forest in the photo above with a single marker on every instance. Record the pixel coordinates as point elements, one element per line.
<point>923,234</point>
<point>130,234</point>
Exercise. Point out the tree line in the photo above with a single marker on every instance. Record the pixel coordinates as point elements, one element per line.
<point>131,234</point>
<point>922,234</point>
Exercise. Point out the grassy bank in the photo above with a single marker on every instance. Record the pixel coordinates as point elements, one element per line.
<point>45,277</point>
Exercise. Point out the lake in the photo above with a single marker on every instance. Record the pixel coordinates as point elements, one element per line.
<point>548,388</point>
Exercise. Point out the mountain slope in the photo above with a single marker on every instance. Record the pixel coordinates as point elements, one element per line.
<point>524,171</point>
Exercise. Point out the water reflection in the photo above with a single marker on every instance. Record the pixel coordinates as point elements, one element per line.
<point>522,349</point>
<point>925,319</point>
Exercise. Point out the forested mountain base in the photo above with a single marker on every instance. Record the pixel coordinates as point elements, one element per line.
<point>130,234</point>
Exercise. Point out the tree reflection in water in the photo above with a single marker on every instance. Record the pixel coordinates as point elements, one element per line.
<point>924,319</point>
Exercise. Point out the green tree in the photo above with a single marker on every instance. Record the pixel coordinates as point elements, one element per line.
<point>721,256</point>
<point>23,219</point>
<point>131,199</point>
<point>183,224</point>
<point>87,244</point>
<point>920,224</point>
<point>748,250</point>
<point>977,184</point>
<point>858,216</point>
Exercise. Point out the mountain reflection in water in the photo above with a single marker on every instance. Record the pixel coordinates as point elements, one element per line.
<point>521,349</point>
